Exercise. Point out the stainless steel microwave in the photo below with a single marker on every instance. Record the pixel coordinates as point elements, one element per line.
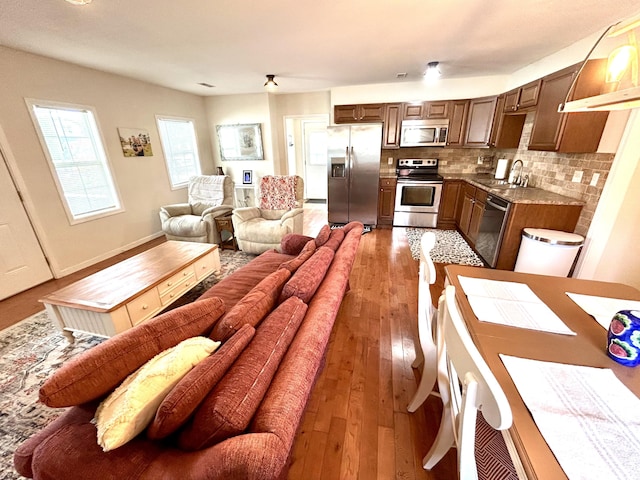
<point>424,133</point>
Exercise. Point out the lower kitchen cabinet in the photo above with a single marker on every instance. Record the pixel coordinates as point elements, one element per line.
<point>524,215</point>
<point>386,201</point>
<point>473,201</point>
<point>449,204</point>
<point>468,208</point>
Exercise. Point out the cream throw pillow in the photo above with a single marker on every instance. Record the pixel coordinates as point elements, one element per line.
<point>131,407</point>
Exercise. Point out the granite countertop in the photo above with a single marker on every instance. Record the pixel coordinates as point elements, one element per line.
<point>514,195</point>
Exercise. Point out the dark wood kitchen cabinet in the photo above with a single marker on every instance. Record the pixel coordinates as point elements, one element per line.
<point>473,203</point>
<point>523,97</point>
<point>391,127</point>
<point>569,132</point>
<point>438,109</point>
<point>457,122</point>
<point>370,112</point>
<point>479,122</point>
<point>386,201</point>
<point>449,204</point>
<point>426,110</point>
<point>507,127</point>
<point>528,215</point>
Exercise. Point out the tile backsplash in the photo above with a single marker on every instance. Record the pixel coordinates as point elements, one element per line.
<point>547,170</point>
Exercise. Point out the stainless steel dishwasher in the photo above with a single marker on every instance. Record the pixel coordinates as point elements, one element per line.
<point>494,218</point>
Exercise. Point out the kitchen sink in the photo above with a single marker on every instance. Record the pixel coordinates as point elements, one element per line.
<point>493,182</point>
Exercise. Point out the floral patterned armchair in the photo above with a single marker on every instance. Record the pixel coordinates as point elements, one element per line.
<point>258,229</point>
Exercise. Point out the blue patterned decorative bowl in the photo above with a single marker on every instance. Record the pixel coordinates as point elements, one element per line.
<point>623,339</point>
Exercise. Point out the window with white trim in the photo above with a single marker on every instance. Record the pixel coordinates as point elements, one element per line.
<point>73,147</point>
<point>180,147</point>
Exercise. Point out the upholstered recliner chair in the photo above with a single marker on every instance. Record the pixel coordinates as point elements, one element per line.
<point>261,228</point>
<point>210,196</point>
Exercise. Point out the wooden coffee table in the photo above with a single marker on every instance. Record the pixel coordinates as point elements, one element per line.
<point>121,296</point>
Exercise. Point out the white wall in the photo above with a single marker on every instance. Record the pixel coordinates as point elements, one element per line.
<point>304,104</point>
<point>235,109</point>
<point>611,250</point>
<point>142,181</point>
<point>442,89</point>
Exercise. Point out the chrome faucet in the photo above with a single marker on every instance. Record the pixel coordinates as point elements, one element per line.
<point>516,180</point>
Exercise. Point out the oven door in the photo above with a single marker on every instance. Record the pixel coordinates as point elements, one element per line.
<point>417,203</point>
<point>418,196</point>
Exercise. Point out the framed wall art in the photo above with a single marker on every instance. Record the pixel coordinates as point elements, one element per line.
<point>135,142</point>
<point>247,177</point>
<point>240,142</point>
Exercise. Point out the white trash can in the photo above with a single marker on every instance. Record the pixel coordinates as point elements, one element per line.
<point>547,252</point>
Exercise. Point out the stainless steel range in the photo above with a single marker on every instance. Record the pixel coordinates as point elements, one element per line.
<point>418,193</point>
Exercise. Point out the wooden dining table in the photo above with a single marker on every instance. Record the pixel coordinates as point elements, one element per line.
<point>587,347</point>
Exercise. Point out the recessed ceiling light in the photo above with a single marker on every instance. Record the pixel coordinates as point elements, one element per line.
<point>204,84</point>
<point>79,2</point>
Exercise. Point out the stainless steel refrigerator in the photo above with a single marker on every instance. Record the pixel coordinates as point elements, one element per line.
<point>354,171</point>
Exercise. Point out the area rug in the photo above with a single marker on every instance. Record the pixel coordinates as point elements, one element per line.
<point>33,348</point>
<point>450,247</point>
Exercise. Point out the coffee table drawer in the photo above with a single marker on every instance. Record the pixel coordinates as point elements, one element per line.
<point>207,265</point>
<point>144,306</point>
<point>177,290</point>
<point>174,280</point>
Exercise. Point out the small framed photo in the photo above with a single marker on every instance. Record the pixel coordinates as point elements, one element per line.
<point>247,177</point>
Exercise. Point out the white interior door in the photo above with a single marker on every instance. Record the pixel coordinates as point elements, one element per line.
<point>22,262</point>
<point>314,135</point>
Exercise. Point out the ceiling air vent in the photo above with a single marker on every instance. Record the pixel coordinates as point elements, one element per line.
<point>208,85</point>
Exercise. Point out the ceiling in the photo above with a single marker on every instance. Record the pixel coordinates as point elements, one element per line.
<point>309,45</point>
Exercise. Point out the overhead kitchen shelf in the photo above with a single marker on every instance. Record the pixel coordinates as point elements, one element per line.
<point>621,91</point>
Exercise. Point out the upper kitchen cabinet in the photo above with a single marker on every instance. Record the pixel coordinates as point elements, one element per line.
<point>391,128</point>
<point>569,132</point>
<point>425,110</point>
<point>522,98</point>
<point>371,112</point>
<point>479,121</point>
<point>457,122</point>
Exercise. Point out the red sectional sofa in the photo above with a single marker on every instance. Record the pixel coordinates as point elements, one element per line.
<point>234,415</point>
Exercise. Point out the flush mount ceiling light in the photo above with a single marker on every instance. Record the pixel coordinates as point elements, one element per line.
<point>433,71</point>
<point>270,84</point>
<point>79,2</point>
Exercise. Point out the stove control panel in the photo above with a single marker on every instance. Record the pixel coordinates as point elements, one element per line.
<point>417,162</point>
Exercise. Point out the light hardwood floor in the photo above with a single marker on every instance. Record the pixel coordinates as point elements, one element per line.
<point>356,425</point>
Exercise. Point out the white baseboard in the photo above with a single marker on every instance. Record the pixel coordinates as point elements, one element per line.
<point>69,270</point>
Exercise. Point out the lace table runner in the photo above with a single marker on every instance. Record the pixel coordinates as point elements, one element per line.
<point>512,304</point>
<point>589,419</point>
<point>603,308</point>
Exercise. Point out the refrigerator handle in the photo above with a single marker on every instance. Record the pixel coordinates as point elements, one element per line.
<point>350,166</point>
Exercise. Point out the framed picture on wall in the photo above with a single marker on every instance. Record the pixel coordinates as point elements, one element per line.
<point>135,142</point>
<point>247,177</point>
<point>240,142</point>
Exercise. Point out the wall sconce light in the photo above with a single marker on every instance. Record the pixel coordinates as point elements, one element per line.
<point>622,68</point>
<point>433,71</point>
<point>270,84</point>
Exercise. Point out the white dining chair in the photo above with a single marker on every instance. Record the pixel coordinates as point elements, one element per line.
<point>426,350</point>
<point>468,387</point>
